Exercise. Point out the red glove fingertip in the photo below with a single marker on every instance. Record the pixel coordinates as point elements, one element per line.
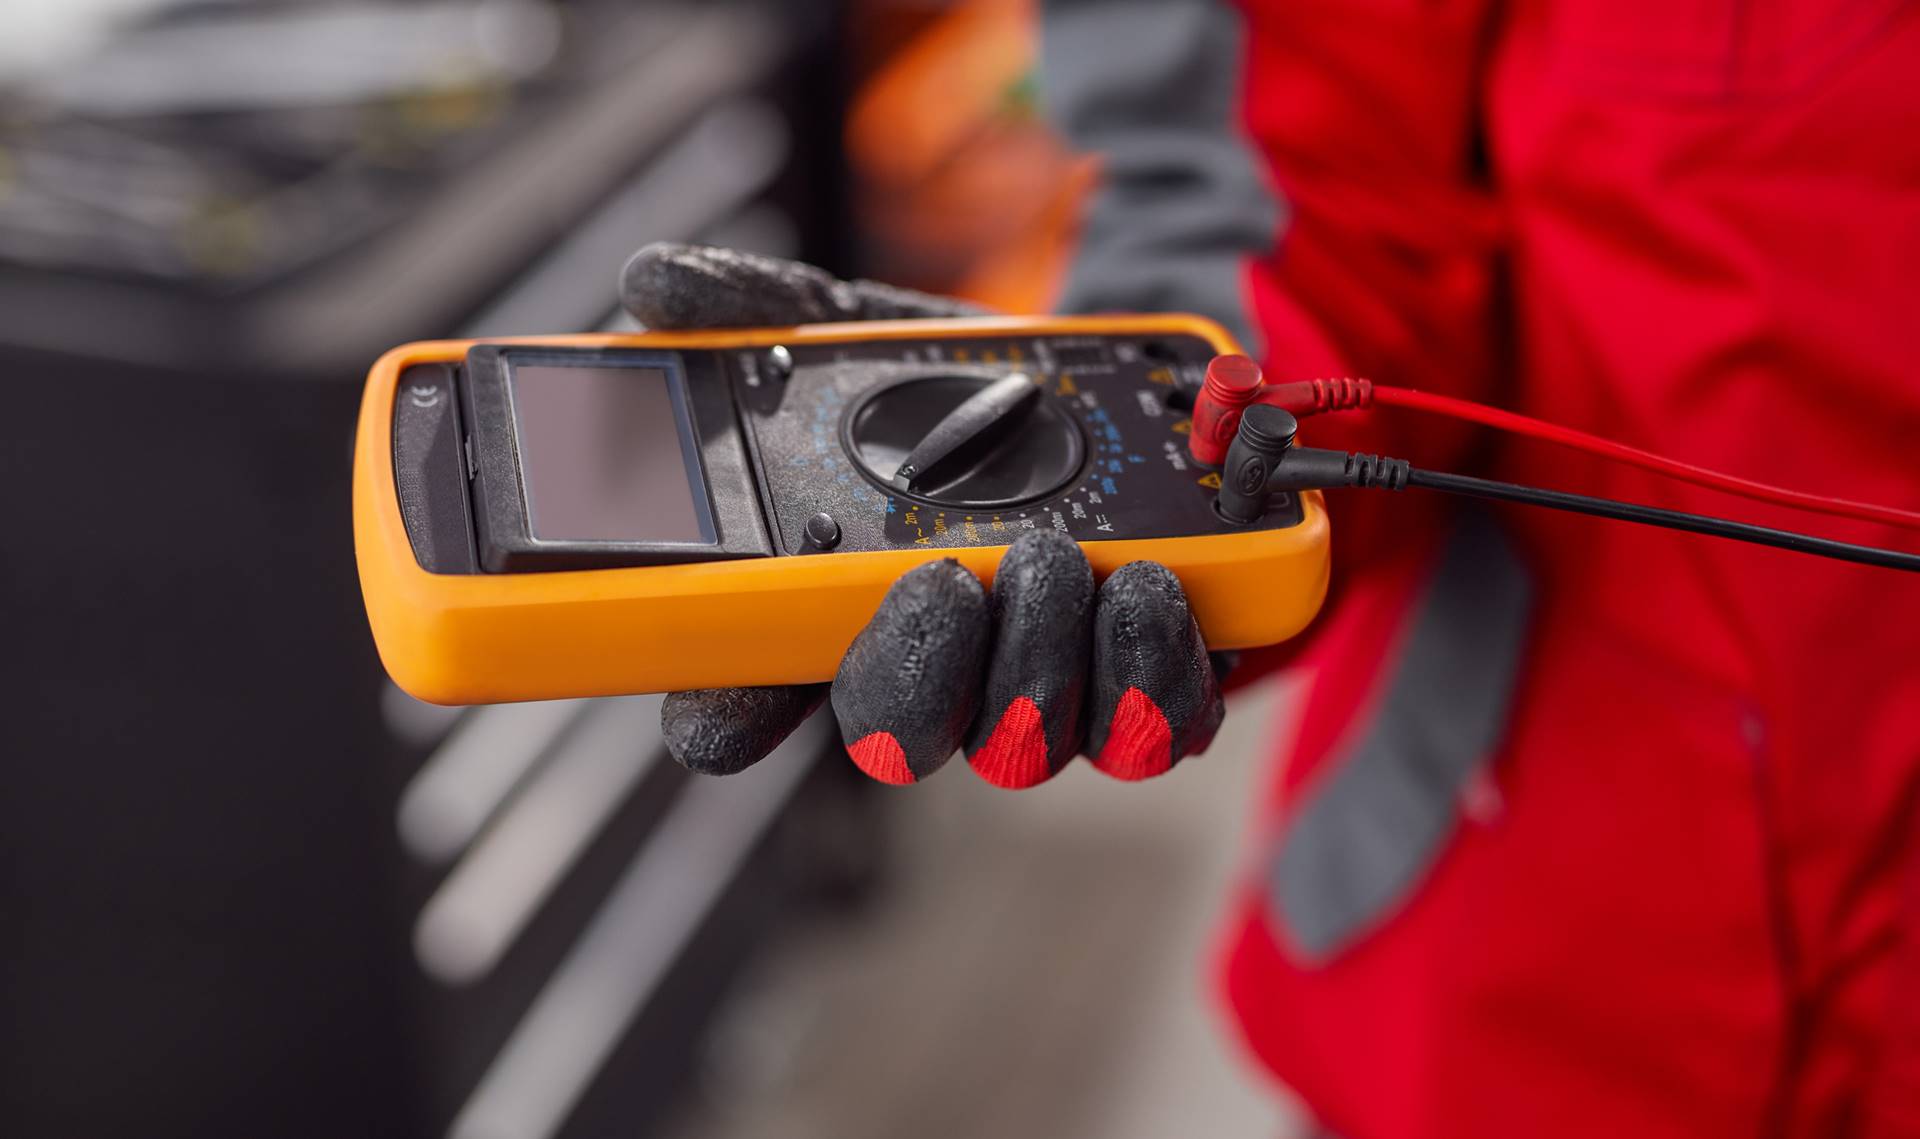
<point>881,757</point>
<point>1015,754</point>
<point>1139,742</point>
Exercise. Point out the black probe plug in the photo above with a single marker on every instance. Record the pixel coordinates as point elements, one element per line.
<point>1263,459</point>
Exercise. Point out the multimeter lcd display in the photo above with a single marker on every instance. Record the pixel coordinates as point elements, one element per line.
<point>605,455</point>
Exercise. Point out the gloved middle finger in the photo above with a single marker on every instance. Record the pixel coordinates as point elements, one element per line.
<point>1030,720</point>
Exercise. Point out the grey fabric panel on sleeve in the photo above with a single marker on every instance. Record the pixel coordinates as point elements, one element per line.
<point>1368,834</point>
<point>1153,87</point>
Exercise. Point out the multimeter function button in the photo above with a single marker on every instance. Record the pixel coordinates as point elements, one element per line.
<point>779,362</point>
<point>822,532</point>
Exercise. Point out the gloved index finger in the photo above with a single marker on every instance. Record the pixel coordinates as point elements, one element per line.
<point>910,683</point>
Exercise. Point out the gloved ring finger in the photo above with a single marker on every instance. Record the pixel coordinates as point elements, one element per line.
<point>1156,697</point>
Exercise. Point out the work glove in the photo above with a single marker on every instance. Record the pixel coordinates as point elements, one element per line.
<point>1021,677</point>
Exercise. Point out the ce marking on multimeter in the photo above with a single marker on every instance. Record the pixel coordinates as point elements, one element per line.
<point>589,515</point>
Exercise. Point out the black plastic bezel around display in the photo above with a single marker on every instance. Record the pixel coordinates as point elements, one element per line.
<point>725,496</point>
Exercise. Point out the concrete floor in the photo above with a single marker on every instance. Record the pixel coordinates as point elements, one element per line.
<point>1036,967</point>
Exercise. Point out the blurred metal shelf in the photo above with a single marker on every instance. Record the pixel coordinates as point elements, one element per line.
<point>439,228</point>
<point>253,890</point>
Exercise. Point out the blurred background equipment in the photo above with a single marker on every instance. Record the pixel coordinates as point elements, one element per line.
<point>248,888</point>
<point>961,186</point>
<point>292,187</point>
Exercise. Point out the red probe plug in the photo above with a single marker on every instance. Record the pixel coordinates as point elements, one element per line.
<point>1234,384</point>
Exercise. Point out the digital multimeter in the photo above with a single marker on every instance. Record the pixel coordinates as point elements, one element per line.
<point>604,514</point>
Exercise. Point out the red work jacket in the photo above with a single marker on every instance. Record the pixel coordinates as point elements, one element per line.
<point>1587,829</point>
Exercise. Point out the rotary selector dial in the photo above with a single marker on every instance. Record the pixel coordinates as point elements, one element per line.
<point>971,442</point>
<point>1091,443</point>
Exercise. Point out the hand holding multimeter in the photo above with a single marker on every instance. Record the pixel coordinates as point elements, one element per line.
<point>817,486</point>
<point>741,516</point>
<point>1019,679</point>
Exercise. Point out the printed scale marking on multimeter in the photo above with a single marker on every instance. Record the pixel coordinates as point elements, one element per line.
<point>739,501</point>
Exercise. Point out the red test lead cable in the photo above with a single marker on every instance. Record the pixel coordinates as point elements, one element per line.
<point>1234,383</point>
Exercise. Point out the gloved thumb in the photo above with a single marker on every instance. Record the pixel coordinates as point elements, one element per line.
<point>672,286</point>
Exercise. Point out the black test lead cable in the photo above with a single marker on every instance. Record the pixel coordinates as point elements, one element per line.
<point>1263,459</point>
<point>1657,516</point>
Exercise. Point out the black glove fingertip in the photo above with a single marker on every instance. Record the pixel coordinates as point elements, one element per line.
<point>671,286</point>
<point>721,731</point>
